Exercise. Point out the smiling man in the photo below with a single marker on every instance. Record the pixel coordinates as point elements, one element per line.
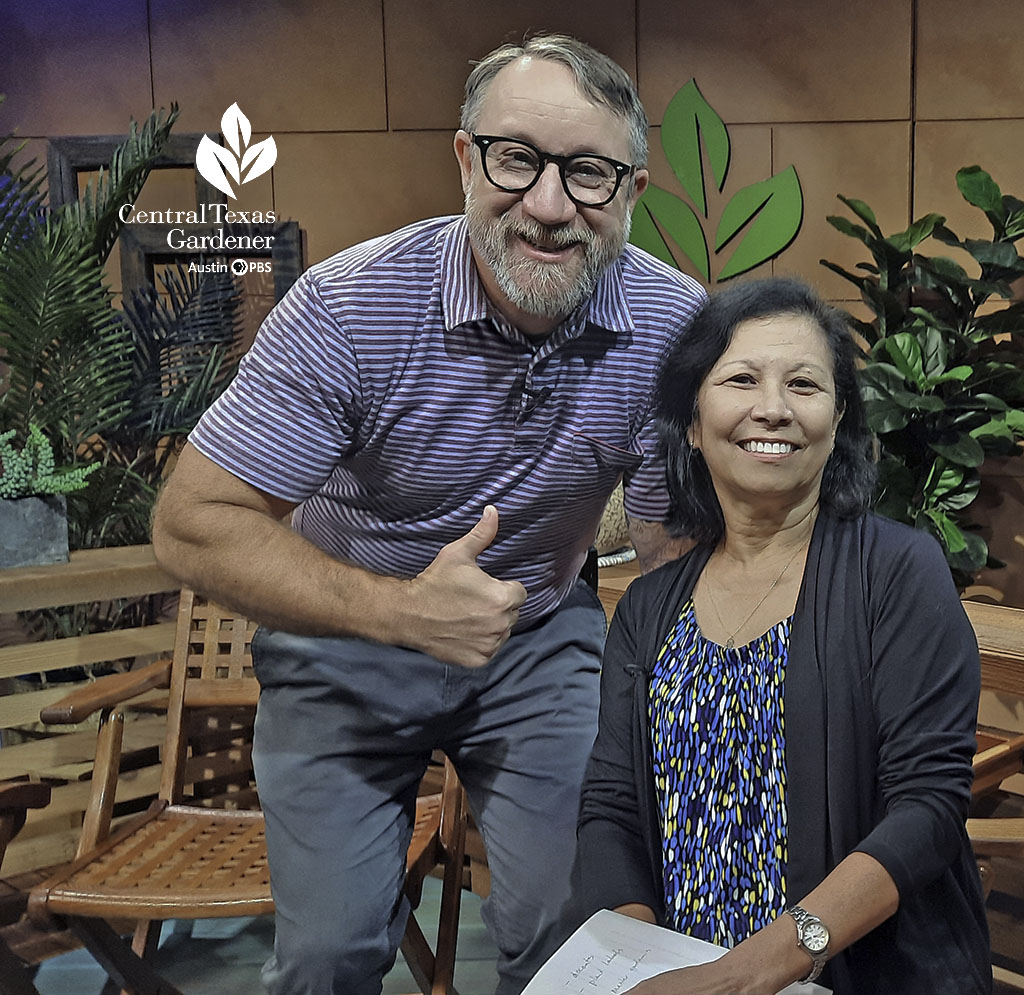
<point>446,410</point>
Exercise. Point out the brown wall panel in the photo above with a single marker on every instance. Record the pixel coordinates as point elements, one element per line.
<point>346,188</point>
<point>765,61</point>
<point>73,68</point>
<point>430,46</point>
<point>291,65</point>
<point>969,61</point>
<point>869,161</point>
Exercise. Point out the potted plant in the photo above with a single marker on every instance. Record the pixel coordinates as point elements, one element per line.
<point>33,509</point>
<point>943,377</point>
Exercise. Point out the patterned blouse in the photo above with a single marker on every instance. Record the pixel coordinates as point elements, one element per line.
<point>719,754</point>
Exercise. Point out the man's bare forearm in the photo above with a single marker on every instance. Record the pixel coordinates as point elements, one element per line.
<point>227,539</point>
<point>653,545</point>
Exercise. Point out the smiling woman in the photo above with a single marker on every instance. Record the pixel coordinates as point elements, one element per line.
<point>783,763</point>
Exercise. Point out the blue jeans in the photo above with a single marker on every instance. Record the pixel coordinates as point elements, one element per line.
<point>344,730</point>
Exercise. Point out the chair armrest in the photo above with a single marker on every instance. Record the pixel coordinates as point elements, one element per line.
<point>23,794</point>
<point>107,692</point>
<point>997,837</point>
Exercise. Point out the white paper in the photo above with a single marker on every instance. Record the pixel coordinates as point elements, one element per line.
<point>610,953</point>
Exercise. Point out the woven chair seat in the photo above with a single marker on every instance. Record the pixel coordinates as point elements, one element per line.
<point>181,862</point>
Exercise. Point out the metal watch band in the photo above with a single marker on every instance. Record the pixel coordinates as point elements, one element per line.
<point>820,957</point>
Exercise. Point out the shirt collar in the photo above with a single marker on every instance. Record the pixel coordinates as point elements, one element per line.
<point>464,300</point>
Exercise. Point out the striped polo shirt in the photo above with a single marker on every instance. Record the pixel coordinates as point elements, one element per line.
<point>389,399</point>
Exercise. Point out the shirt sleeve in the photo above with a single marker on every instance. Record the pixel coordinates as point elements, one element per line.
<point>645,488</point>
<point>925,682</point>
<point>295,406</point>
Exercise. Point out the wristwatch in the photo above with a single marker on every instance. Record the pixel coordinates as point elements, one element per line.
<point>811,936</point>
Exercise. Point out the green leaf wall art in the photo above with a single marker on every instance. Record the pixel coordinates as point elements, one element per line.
<point>756,224</point>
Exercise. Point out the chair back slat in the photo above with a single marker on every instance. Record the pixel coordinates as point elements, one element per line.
<point>212,694</point>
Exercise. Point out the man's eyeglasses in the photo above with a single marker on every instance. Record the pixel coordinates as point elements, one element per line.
<point>514,166</point>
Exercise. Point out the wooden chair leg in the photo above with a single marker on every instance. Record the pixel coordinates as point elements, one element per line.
<point>122,963</point>
<point>15,978</point>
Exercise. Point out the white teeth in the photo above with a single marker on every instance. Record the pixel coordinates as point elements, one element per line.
<point>773,448</point>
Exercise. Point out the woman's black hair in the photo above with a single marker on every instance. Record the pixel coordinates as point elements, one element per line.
<point>848,482</point>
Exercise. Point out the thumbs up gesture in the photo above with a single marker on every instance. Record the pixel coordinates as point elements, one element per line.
<point>460,614</point>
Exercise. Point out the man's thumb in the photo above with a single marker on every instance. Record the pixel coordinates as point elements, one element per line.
<point>478,538</point>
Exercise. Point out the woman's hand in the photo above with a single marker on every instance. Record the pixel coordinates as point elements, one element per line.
<point>704,979</point>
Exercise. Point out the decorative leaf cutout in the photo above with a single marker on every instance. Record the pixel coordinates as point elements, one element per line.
<point>212,160</point>
<point>688,119</point>
<point>775,207</point>
<point>681,224</point>
<point>261,156</point>
<point>234,125</point>
<point>644,234</point>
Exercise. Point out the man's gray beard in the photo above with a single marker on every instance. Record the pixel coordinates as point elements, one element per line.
<point>535,287</point>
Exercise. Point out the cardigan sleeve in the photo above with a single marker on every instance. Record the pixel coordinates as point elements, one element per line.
<point>925,680</point>
<point>614,863</point>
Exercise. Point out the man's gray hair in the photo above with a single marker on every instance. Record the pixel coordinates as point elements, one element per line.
<point>602,80</point>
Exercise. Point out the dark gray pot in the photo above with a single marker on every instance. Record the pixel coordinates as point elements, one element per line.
<point>33,530</point>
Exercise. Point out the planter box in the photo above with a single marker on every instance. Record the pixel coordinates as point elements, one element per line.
<point>33,530</point>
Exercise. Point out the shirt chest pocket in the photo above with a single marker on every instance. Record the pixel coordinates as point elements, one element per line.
<point>596,466</point>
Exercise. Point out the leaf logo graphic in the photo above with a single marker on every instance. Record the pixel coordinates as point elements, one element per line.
<point>241,161</point>
<point>768,213</point>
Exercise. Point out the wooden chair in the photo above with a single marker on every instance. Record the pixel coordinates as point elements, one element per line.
<point>200,851</point>
<point>16,797</point>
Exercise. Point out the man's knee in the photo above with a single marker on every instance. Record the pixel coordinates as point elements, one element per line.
<point>342,957</point>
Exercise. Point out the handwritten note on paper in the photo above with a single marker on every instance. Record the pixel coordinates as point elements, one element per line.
<point>609,954</point>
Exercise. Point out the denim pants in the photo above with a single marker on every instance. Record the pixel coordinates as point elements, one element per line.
<point>344,730</point>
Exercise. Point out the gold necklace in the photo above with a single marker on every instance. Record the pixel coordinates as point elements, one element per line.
<point>730,642</point>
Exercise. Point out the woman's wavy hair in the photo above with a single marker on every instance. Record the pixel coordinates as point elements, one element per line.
<point>848,482</point>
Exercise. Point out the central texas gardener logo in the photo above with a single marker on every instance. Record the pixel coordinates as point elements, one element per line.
<point>241,161</point>
<point>766,215</point>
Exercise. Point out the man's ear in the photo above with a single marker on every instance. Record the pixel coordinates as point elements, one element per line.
<point>636,189</point>
<point>463,146</point>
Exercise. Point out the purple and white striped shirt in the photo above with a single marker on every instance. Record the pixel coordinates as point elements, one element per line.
<point>388,396</point>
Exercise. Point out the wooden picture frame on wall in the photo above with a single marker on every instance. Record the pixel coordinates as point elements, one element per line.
<point>66,157</point>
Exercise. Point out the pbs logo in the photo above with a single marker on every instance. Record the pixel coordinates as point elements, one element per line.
<point>242,266</point>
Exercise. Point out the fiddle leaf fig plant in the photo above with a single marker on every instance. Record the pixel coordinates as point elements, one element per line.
<point>943,377</point>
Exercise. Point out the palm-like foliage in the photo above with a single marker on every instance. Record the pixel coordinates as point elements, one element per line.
<point>116,387</point>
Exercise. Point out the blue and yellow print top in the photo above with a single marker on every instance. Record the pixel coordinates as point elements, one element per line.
<point>719,754</point>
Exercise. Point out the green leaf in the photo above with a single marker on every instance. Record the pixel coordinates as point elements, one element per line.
<point>857,281</point>
<point>905,351</point>
<point>688,119</point>
<point>974,555</point>
<point>948,532</point>
<point>847,227</point>
<point>966,451</point>
<point>774,208</point>
<point>997,428</point>
<point>993,253</point>
<point>644,234</point>
<point>944,235</point>
<point>681,224</point>
<point>863,212</point>
<point>1015,419</point>
<point>979,189</point>
<point>933,352</point>
<point>959,373</point>
<point>916,233</point>
<point>885,415</point>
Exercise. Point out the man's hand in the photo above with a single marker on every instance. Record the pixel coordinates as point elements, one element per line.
<point>462,615</point>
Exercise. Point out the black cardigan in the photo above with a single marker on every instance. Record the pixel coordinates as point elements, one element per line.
<point>881,699</point>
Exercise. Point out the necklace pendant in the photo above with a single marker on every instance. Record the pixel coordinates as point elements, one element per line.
<point>730,644</point>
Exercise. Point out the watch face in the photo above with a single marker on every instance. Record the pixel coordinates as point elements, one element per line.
<point>815,937</point>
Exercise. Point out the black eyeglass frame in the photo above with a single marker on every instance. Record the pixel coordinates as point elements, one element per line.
<point>622,169</point>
